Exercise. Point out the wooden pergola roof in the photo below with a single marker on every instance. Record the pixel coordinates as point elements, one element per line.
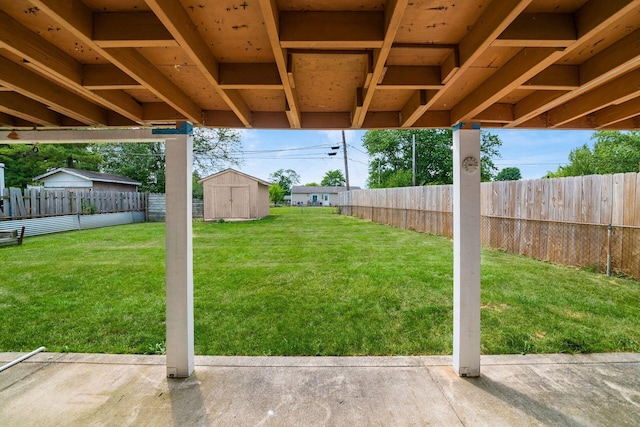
<point>320,63</point>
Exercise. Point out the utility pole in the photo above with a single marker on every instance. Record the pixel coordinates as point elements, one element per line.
<point>346,166</point>
<point>413,155</point>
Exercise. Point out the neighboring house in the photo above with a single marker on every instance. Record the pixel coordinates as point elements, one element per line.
<point>316,195</point>
<point>66,178</point>
<point>231,194</point>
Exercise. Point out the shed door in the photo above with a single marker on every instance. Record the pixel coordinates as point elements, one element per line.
<point>239,202</point>
<point>224,201</point>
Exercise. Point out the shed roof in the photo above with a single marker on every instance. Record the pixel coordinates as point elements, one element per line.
<point>89,176</point>
<point>231,170</point>
<point>320,64</point>
<point>309,189</point>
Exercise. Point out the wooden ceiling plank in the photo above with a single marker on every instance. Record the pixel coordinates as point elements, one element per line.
<point>107,76</point>
<point>40,89</point>
<point>411,77</point>
<point>617,113</point>
<point>539,30</point>
<point>249,76</point>
<point>331,30</point>
<point>27,109</point>
<point>555,77</point>
<point>130,29</point>
<point>382,120</point>
<point>77,18</point>
<point>615,92</point>
<point>271,16</point>
<point>591,19</point>
<point>173,15</point>
<point>491,23</point>
<point>434,119</point>
<point>394,12</point>
<point>522,67</point>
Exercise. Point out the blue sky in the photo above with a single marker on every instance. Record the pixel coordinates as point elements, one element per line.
<point>533,151</point>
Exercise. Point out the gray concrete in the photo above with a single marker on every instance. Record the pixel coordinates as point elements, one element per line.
<point>53,389</point>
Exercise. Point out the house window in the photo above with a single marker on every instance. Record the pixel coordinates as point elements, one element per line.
<point>314,198</point>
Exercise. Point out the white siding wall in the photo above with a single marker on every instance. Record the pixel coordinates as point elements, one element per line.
<point>63,180</point>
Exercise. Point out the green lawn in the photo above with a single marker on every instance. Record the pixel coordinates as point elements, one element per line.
<point>300,282</point>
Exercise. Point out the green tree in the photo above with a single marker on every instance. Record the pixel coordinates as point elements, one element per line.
<point>312,184</point>
<point>333,178</point>
<point>286,178</point>
<point>276,193</point>
<point>213,149</point>
<point>509,174</point>
<point>613,152</point>
<point>24,162</point>
<point>391,156</point>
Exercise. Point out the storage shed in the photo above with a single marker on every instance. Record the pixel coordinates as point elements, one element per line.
<point>233,195</point>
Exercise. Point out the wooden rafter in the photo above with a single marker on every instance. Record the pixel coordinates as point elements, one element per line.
<point>493,21</point>
<point>392,19</point>
<point>271,16</point>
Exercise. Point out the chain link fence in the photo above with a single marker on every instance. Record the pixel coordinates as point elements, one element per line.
<point>598,247</point>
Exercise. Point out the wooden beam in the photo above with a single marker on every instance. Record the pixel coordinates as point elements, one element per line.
<point>77,18</point>
<point>496,113</point>
<point>393,14</point>
<point>130,29</point>
<point>617,113</point>
<point>539,30</point>
<point>490,24</point>
<point>159,112</point>
<point>250,76</point>
<point>6,119</point>
<point>107,76</point>
<point>414,104</point>
<point>270,120</point>
<point>27,109</point>
<point>382,120</point>
<point>622,55</point>
<point>616,91</point>
<point>332,30</point>
<point>53,62</point>
<point>525,65</point>
<point>23,42</point>
<point>594,17</point>
<point>137,66</point>
<point>42,90</point>
<point>173,15</point>
<point>271,16</point>
<point>555,77</point>
<point>495,19</point>
<point>411,77</point>
<point>334,120</point>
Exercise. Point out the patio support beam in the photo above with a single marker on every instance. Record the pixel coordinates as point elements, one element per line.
<point>179,253</point>
<point>466,250</point>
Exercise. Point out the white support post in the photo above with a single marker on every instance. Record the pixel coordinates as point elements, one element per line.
<point>179,254</point>
<point>466,251</point>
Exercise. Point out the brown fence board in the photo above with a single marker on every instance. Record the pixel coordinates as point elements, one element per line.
<point>562,220</point>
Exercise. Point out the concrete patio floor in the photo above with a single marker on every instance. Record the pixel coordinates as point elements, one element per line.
<point>54,389</point>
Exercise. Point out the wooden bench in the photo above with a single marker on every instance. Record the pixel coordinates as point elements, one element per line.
<point>11,237</point>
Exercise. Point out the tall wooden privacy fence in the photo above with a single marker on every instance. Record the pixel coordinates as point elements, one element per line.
<point>38,203</point>
<point>561,220</point>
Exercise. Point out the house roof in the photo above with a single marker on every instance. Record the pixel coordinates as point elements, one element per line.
<point>89,176</point>
<point>330,64</point>
<point>304,189</point>
<point>231,170</point>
